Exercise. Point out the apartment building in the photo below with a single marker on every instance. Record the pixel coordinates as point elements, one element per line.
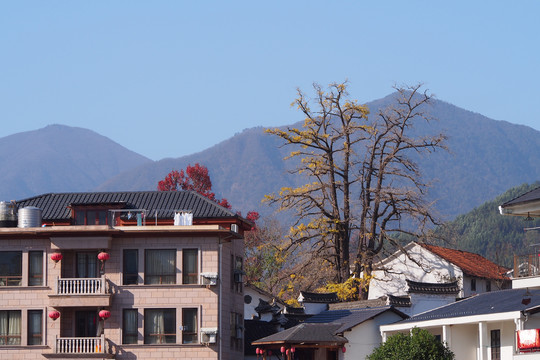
<point>123,275</point>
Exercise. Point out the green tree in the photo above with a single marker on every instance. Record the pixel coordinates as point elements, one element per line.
<point>361,181</point>
<point>419,345</point>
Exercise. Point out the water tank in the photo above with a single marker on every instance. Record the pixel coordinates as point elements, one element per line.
<point>29,216</point>
<point>8,214</point>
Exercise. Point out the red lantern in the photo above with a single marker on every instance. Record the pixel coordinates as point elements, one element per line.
<point>104,314</point>
<point>54,314</point>
<point>103,256</point>
<point>283,349</point>
<point>56,257</point>
<point>343,349</point>
<point>293,349</point>
<point>287,352</point>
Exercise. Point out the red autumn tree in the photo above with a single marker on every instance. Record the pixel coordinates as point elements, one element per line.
<point>195,178</point>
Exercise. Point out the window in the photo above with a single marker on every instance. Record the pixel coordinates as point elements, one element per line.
<point>10,327</point>
<point>190,274</point>
<point>10,268</point>
<point>237,330</point>
<point>160,267</point>
<point>35,327</point>
<point>35,268</point>
<point>189,326</point>
<point>130,328</point>
<point>87,265</point>
<point>90,217</point>
<point>495,344</point>
<point>473,284</point>
<point>488,286</point>
<point>160,326</point>
<point>131,266</point>
<point>238,273</point>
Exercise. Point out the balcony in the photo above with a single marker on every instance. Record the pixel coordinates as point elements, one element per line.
<point>80,347</point>
<point>77,292</point>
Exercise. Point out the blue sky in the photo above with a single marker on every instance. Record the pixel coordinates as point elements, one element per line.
<point>170,78</point>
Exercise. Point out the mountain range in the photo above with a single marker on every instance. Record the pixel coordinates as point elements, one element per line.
<point>485,158</point>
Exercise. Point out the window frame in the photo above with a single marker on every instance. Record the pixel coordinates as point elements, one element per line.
<point>132,332</point>
<point>6,279</point>
<point>161,276</point>
<point>189,277</point>
<point>161,337</point>
<point>190,336</point>
<point>495,344</point>
<point>7,337</point>
<point>134,277</point>
<point>31,271</point>
<point>30,334</point>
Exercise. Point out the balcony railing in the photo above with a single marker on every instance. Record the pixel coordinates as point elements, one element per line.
<point>81,286</point>
<point>80,345</point>
<point>526,265</point>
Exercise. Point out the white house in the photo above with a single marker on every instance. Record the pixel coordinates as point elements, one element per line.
<point>498,325</point>
<point>481,327</point>
<point>436,265</point>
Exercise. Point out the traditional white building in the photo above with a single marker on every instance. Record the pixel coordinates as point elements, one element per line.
<point>431,264</point>
<point>498,325</point>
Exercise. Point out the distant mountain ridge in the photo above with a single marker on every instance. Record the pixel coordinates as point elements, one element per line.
<point>486,158</point>
<point>60,158</point>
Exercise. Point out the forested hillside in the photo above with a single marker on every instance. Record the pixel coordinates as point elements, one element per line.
<point>486,232</point>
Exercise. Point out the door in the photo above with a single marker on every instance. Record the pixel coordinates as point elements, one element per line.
<point>87,265</point>
<point>86,323</point>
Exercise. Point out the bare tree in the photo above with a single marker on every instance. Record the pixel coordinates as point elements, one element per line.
<point>361,180</point>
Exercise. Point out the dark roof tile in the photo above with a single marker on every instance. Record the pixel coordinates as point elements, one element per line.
<point>433,288</point>
<point>305,333</point>
<point>352,317</point>
<point>55,206</point>
<point>483,304</point>
<point>323,298</point>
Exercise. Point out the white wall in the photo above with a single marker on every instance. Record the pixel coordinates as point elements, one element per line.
<point>249,309</point>
<point>364,338</point>
<point>432,269</point>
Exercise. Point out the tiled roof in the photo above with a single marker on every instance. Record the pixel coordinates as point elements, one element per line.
<point>322,298</point>
<point>433,288</point>
<point>54,206</point>
<point>486,303</point>
<point>399,301</point>
<point>294,310</point>
<point>471,264</point>
<point>305,333</point>
<point>358,304</point>
<point>254,330</point>
<point>533,195</point>
<point>350,318</point>
<point>266,307</point>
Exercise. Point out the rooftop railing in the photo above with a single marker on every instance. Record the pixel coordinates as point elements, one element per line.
<point>526,265</point>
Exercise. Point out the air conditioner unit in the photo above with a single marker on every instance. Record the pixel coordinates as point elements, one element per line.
<point>209,335</point>
<point>209,278</point>
<point>234,228</point>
